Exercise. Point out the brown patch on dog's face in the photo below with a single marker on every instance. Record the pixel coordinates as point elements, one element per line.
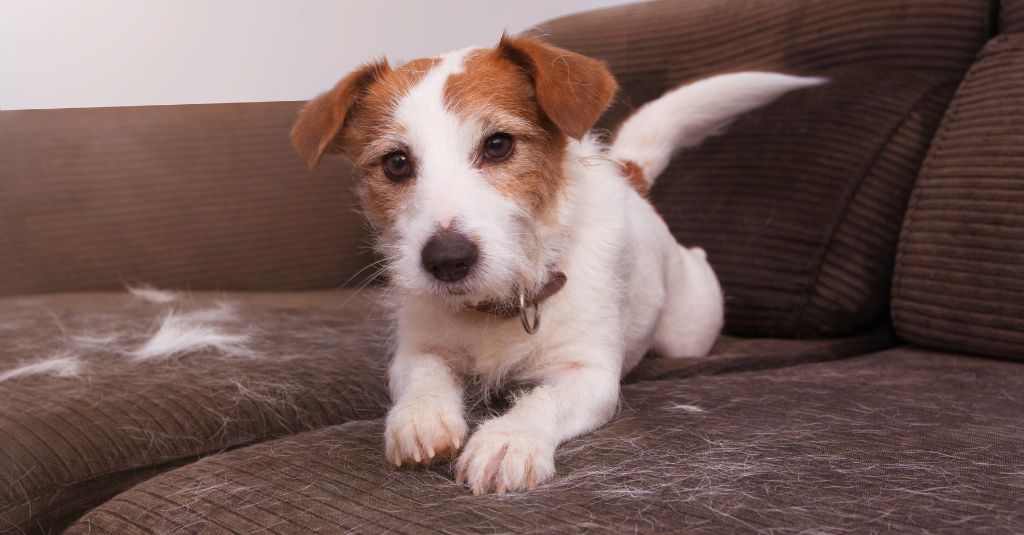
<point>366,141</point>
<point>537,94</point>
<point>473,141</point>
<point>353,119</point>
<point>497,94</point>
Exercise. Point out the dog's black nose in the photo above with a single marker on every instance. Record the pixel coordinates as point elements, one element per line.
<point>449,255</point>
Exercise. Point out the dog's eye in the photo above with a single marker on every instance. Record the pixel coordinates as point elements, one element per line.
<point>397,166</point>
<point>498,146</point>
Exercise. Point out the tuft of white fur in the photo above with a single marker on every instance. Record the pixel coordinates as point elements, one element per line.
<point>150,294</point>
<point>95,340</point>
<point>180,333</point>
<point>61,365</point>
<point>686,407</point>
<point>686,115</point>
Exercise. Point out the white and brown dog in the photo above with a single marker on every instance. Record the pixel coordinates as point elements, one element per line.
<point>494,208</point>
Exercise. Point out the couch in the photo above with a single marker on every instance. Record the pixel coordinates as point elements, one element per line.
<point>869,236</point>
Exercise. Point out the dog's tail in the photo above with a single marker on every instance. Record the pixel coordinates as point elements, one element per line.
<point>688,114</point>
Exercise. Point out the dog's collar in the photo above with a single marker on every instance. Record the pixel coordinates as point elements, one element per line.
<point>523,306</point>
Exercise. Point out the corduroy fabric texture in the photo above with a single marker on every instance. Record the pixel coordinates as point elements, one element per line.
<point>311,359</point>
<point>202,197</point>
<point>1012,16</point>
<point>68,443</point>
<point>733,354</point>
<point>799,205</point>
<point>902,441</point>
<point>654,46</point>
<point>959,281</point>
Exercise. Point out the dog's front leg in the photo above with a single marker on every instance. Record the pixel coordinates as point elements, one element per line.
<point>427,418</point>
<point>516,451</point>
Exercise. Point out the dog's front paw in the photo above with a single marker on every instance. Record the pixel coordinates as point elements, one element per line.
<point>421,430</point>
<point>502,458</point>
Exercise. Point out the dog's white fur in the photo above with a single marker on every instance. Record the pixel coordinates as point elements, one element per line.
<point>686,115</point>
<point>60,365</point>
<point>183,332</point>
<point>153,295</point>
<point>630,287</point>
<point>456,189</point>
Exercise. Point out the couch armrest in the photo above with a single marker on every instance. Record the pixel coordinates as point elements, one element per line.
<point>196,196</point>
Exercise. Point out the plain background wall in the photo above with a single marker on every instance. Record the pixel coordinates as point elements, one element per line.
<point>85,53</point>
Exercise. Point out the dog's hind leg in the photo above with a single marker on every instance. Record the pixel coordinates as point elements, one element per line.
<point>694,310</point>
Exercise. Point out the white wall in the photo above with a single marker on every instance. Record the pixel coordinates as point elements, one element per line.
<point>84,53</point>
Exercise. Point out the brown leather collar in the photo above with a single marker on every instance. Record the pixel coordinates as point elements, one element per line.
<point>511,308</point>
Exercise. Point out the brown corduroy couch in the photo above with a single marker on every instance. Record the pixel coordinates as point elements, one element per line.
<point>869,235</point>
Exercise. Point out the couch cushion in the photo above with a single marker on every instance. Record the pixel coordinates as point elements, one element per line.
<point>308,360</point>
<point>1012,16</point>
<point>199,196</point>
<point>959,281</point>
<point>798,205</point>
<point>902,441</point>
<point>735,354</point>
<point>98,421</point>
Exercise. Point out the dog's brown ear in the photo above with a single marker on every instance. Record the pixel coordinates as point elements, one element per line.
<point>572,90</point>
<point>322,119</point>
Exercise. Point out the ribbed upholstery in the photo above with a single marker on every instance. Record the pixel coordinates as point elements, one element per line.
<point>1012,16</point>
<point>209,196</point>
<point>900,442</point>
<point>654,46</point>
<point>68,443</point>
<point>959,281</point>
<point>733,354</point>
<point>799,205</point>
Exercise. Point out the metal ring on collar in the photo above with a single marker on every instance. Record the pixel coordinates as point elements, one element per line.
<point>524,314</point>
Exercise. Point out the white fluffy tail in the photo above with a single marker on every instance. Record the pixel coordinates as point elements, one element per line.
<point>688,114</point>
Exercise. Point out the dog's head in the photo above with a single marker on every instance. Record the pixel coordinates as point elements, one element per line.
<point>459,160</point>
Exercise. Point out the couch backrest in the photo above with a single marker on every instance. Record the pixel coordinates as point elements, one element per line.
<point>202,197</point>
<point>1011,16</point>
<point>799,205</point>
<point>654,46</point>
<point>959,278</point>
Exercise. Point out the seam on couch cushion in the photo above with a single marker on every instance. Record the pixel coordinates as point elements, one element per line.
<point>915,197</point>
<point>734,355</point>
<point>812,291</point>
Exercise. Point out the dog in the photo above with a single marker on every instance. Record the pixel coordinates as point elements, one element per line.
<point>520,249</point>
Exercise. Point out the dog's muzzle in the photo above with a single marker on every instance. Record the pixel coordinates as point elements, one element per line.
<point>449,255</point>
